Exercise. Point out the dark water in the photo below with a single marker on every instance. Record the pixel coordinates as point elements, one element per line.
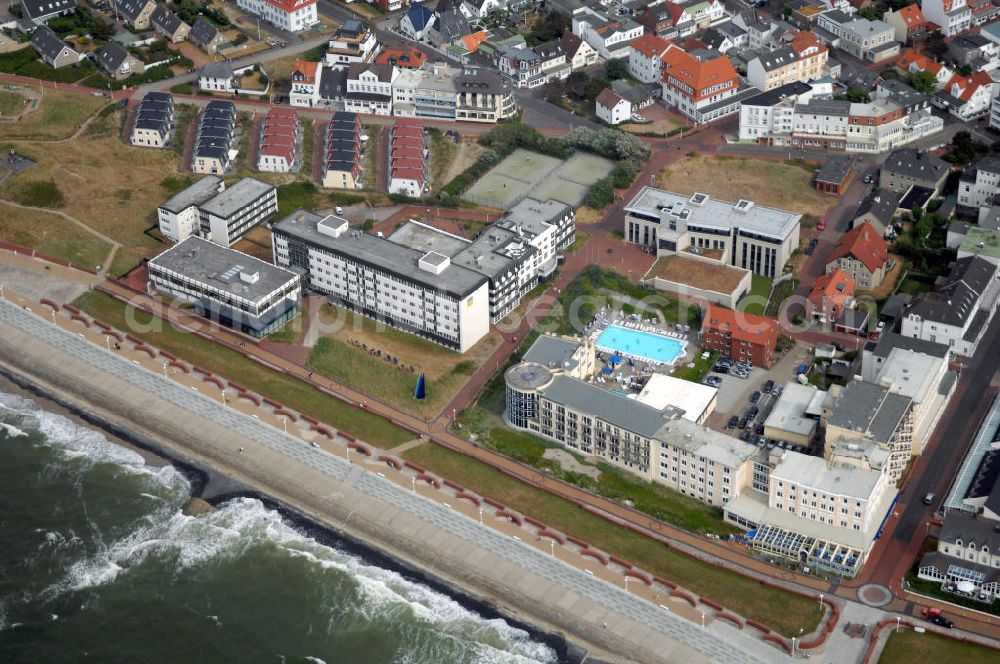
<point>97,563</point>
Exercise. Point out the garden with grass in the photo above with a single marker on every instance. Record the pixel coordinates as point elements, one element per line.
<point>756,300</point>
<point>354,350</point>
<point>58,115</point>
<point>786,613</point>
<point>909,647</point>
<point>25,62</point>
<point>234,366</point>
<point>53,235</point>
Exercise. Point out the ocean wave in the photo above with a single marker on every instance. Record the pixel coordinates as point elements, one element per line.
<point>243,523</point>
<point>78,442</point>
<point>12,431</point>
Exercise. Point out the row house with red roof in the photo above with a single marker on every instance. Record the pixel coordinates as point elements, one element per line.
<point>407,154</point>
<point>279,149</point>
<point>291,15</point>
<point>910,62</point>
<point>702,85</point>
<point>950,16</point>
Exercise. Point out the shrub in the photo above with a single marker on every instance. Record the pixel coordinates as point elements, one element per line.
<point>343,198</point>
<point>40,193</point>
<point>601,194</point>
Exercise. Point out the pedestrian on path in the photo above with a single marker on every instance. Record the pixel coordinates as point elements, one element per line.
<point>241,449</point>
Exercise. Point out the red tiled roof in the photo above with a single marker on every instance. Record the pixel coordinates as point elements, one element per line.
<point>306,69</point>
<point>409,174</point>
<point>650,45</point>
<point>743,326</point>
<point>472,42</point>
<point>407,153</point>
<point>290,5</point>
<point>864,244</point>
<point>967,86</point>
<point>912,16</point>
<point>412,58</point>
<point>806,40</point>
<point>698,74</point>
<point>835,287</point>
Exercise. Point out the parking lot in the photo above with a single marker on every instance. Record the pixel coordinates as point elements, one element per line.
<point>734,392</point>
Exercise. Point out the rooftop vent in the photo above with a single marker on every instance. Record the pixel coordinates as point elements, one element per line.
<point>250,277</point>
<point>743,205</point>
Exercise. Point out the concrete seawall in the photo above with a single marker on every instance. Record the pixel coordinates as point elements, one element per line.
<point>515,577</point>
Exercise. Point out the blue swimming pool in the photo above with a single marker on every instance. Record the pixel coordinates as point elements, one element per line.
<point>640,345</point>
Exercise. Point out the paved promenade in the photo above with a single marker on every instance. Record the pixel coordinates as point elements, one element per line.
<point>520,578</point>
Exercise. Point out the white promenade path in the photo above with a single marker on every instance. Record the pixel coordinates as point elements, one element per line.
<point>515,574</point>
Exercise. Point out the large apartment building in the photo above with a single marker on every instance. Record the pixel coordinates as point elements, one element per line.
<point>952,16</point>
<point>473,94</point>
<point>864,413</point>
<point>227,286</point>
<point>750,236</point>
<point>231,214</point>
<point>871,41</point>
<point>291,15</point>
<point>420,292</point>
<point>179,216</point>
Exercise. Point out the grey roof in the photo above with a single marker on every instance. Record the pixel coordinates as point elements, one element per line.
<point>881,204</point>
<point>890,341</point>
<point>220,267</point>
<point>379,253</point>
<point>196,194</point>
<point>960,525</point>
<point>236,197</point>
<point>777,58</point>
<point>902,94</point>
<point>383,73</point>
<point>709,212</point>
<point>166,20</point>
<point>552,351</point>
<point>834,170</point>
<point>158,97</point>
<point>47,43</point>
<point>893,308</point>
<point>550,50</point>
<point>869,409</point>
<point>615,409</point>
<point>333,83</point>
<point>837,107</point>
<point>451,25</point>
<point>917,164</point>
<point>636,93</point>
<point>112,55</point>
<point>772,97</point>
<point>35,9</point>
<point>202,32</point>
<point>216,70</point>
<point>131,9</point>
<point>957,302</point>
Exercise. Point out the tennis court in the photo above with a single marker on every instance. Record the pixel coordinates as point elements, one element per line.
<point>524,173</point>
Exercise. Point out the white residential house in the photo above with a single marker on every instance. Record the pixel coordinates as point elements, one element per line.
<point>369,88</point>
<point>772,112</point>
<point>967,97</point>
<point>353,42</point>
<point>417,21</point>
<point>217,77</point>
<point>980,182</point>
<point>995,113</point>
<point>954,16</point>
<point>612,107</point>
<point>291,15</point>
<point>305,83</point>
<point>579,54</point>
<point>609,36</point>
<point>645,58</point>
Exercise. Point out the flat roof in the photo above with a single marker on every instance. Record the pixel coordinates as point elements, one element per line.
<point>220,267</point>
<point>693,399</point>
<point>910,374</point>
<point>831,478</point>
<point>713,213</point>
<point>201,191</point>
<point>236,197</point>
<point>704,442</point>
<point>552,351</point>
<point>705,275</point>
<point>615,409</point>
<point>381,254</point>
<point>988,238</point>
<point>789,412</point>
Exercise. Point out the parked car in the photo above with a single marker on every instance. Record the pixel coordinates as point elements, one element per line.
<point>733,422</point>
<point>768,386</point>
<point>840,347</point>
<point>929,499</point>
<point>933,615</point>
<point>822,224</point>
<point>755,397</point>
<point>721,368</point>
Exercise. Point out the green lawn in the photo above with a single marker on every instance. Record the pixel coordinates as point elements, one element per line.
<point>782,291</point>
<point>185,114</point>
<point>756,300</point>
<point>59,114</point>
<point>371,156</point>
<point>289,333</point>
<point>232,365</point>
<point>295,195</point>
<point>443,151</point>
<point>11,103</point>
<point>697,372</point>
<point>784,612</point>
<point>381,379</point>
<point>909,647</point>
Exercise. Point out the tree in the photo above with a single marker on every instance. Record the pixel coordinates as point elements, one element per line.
<point>600,194</point>
<point>617,69</point>
<point>857,95</point>
<point>872,12</point>
<point>923,81</point>
<point>935,45</point>
<point>964,148</point>
<point>549,27</point>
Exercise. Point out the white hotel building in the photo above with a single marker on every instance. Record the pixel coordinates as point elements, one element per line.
<point>291,15</point>
<point>419,292</point>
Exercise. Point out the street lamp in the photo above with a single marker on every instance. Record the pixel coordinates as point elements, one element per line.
<point>108,340</point>
<point>223,392</point>
<point>703,620</point>
<point>821,600</point>
<point>53,316</point>
<point>793,646</point>
<point>480,516</point>
<point>897,624</point>
<point>284,423</point>
<point>626,586</point>
<point>552,549</point>
<point>413,483</point>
